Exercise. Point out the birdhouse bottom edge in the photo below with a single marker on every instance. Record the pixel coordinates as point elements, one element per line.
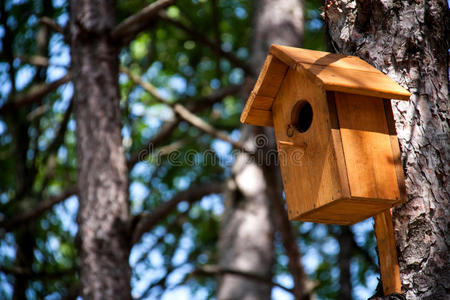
<point>346,211</point>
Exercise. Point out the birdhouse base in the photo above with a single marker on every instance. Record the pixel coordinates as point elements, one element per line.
<point>345,211</point>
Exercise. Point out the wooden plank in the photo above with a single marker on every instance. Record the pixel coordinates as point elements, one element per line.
<point>262,103</point>
<point>337,146</point>
<point>264,92</point>
<point>387,253</point>
<point>310,174</point>
<point>395,150</point>
<point>341,73</point>
<point>358,82</point>
<point>270,78</point>
<point>292,56</point>
<point>258,117</point>
<point>345,211</point>
<point>367,147</point>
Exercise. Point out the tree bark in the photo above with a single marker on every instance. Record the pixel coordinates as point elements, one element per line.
<point>345,239</point>
<point>246,240</point>
<point>409,42</point>
<point>102,178</point>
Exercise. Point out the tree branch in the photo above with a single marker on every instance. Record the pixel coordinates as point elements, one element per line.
<point>147,149</point>
<point>51,24</point>
<point>146,222</point>
<point>59,138</point>
<point>35,94</point>
<point>42,207</point>
<point>218,95</point>
<point>184,113</point>
<point>35,60</point>
<point>25,272</point>
<point>131,26</point>
<point>199,37</point>
<point>215,270</point>
<point>167,128</point>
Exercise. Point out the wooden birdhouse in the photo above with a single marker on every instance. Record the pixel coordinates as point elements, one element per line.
<point>338,150</point>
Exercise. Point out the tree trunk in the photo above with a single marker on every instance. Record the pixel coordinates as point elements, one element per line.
<point>345,239</point>
<point>247,234</point>
<point>25,171</point>
<point>408,40</point>
<point>102,178</point>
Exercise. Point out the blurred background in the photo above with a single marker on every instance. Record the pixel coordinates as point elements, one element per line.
<point>198,53</point>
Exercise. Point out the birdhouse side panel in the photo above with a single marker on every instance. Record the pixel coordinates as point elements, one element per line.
<point>367,147</point>
<point>308,162</point>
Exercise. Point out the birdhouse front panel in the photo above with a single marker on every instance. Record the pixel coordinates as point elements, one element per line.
<point>307,158</point>
<point>335,133</point>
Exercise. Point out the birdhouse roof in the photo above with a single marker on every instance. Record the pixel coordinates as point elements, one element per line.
<point>334,72</point>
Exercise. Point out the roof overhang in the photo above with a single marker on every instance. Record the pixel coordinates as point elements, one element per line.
<point>334,72</point>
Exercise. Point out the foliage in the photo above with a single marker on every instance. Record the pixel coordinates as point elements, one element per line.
<point>184,70</point>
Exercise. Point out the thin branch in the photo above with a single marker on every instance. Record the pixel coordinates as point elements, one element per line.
<point>207,101</point>
<point>199,37</point>
<point>171,227</point>
<point>59,138</point>
<point>25,272</point>
<point>184,113</point>
<point>194,105</point>
<point>147,149</point>
<point>206,127</point>
<point>35,60</point>
<point>51,24</point>
<point>215,270</point>
<point>11,224</point>
<point>134,24</point>
<point>148,221</point>
<point>35,94</point>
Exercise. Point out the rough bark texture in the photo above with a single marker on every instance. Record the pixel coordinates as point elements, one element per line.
<point>408,40</point>
<point>102,184</point>
<point>247,234</point>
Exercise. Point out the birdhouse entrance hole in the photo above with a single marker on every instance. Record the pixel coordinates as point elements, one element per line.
<point>346,166</point>
<point>302,116</point>
<point>349,166</point>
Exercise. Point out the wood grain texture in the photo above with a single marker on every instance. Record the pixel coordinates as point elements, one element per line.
<point>387,253</point>
<point>292,56</point>
<point>414,49</point>
<point>333,72</point>
<point>345,211</point>
<point>264,92</point>
<point>347,172</point>
<point>337,145</point>
<point>357,82</point>
<point>309,170</point>
<point>341,73</point>
<point>367,147</point>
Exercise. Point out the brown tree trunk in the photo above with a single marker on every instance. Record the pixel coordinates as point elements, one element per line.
<point>25,171</point>
<point>102,178</point>
<point>247,234</point>
<point>408,40</point>
<point>345,239</point>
